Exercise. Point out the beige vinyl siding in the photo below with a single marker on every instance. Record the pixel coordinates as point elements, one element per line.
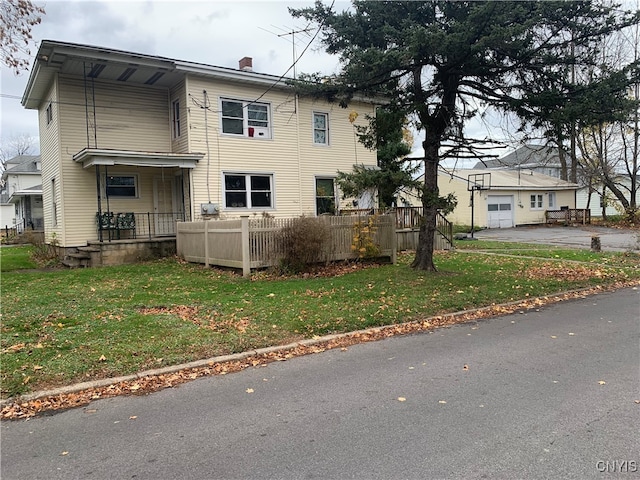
<point>341,154</point>
<point>127,118</point>
<point>289,155</point>
<point>522,212</point>
<point>51,168</point>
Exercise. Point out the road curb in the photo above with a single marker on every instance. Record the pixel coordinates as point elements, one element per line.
<point>221,359</point>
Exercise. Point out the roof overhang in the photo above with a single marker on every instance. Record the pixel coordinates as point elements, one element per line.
<point>91,157</point>
<point>29,192</point>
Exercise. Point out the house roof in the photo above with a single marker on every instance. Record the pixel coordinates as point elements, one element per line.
<point>512,179</point>
<point>22,164</point>
<point>526,156</point>
<point>122,66</point>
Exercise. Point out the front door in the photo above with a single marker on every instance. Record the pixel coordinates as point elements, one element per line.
<point>164,209</point>
<point>500,211</point>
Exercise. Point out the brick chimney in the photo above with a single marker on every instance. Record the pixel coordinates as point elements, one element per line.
<point>246,64</point>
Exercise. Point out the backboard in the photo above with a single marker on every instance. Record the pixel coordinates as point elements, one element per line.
<point>479,181</point>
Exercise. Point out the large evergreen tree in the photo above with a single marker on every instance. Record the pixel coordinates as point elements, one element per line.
<point>438,61</point>
<point>386,133</point>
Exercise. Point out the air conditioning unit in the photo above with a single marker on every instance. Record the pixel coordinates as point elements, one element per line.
<point>209,209</point>
<point>259,132</point>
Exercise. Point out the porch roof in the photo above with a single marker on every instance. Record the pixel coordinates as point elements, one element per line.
<point>90,157</point>
<point>25,192</point>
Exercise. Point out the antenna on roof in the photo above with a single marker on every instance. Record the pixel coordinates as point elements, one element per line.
<point>293,31</point>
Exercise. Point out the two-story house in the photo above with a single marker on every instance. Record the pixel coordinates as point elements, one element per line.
<point>167,140</point>
<point>21,194</point>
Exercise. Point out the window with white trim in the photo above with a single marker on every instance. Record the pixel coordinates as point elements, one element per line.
<point>246,190</point>
<point>54,203</point>
<point>325,196</point>
<point>175,118</point>
<point>123,186</point>
<point>552,200</point>
<point>536,202</point>
<point>248,119</point>
<point>320,128</point>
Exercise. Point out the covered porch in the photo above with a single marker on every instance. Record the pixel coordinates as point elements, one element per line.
<point>139,195</point>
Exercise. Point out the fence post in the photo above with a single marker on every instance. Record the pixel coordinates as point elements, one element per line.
<point>206,243</point>
<point>246,252</point>
<point>394,239</point>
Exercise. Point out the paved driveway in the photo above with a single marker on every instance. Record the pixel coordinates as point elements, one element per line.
<point>612,239</point>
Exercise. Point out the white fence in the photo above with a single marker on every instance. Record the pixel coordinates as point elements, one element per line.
<point>249,243</point>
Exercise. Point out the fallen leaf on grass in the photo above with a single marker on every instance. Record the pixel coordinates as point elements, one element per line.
<point>14,348</point>
<point>37,367</point>
<point>102,358</point>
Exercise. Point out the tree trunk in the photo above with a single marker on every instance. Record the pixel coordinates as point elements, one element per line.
<point>430,194</point>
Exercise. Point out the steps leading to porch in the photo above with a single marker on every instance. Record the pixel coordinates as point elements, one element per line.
<point>82,257</point>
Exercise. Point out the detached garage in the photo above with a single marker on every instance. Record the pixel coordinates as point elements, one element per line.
<point>502,198</point>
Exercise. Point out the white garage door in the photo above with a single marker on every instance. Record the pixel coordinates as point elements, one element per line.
<point>500,211</point>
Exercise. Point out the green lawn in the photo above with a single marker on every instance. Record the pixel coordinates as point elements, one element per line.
<point>16,258</point>
<point>64,326</point>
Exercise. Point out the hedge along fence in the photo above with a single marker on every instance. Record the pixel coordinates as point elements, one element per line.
<point>248,243</point>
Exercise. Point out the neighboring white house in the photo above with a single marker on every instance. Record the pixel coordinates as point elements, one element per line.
<point>502,198</point>
<point>171,140</point>
<point>22,193</point>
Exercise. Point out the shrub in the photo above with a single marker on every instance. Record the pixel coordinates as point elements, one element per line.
<point>363,243</point>
<point>301,243</point>
<point>45,254</point>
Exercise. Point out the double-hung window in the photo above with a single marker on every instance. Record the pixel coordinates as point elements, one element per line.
<point>320,128</point>
<point>536,202</point>
<point>49,113</point>
<point>249,119</point>
<point>175,111</point>
<point>325,196</point>
<point>244,190</point>
<point>552,200</point>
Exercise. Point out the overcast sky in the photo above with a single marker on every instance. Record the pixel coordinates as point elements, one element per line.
<point>211,32</point>
<point>214,32</point>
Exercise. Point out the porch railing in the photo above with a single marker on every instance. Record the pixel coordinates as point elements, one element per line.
<point>136,225</point>
<point>410,218</point>
<point>568,216</point>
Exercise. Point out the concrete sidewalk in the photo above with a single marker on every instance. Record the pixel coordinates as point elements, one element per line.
<point>612,239</point>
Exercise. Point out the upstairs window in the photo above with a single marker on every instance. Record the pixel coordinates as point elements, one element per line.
<point>321,128</point>
<point>175,114</point>
<point>248,119</point>
<point>49,113</point>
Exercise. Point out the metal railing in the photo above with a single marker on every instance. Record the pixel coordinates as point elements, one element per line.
<point>136,225</point>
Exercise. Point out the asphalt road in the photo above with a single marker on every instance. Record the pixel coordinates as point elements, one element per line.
<point>546,394</point>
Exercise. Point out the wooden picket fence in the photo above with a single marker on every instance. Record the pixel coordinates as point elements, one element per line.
<point>248,243</point>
